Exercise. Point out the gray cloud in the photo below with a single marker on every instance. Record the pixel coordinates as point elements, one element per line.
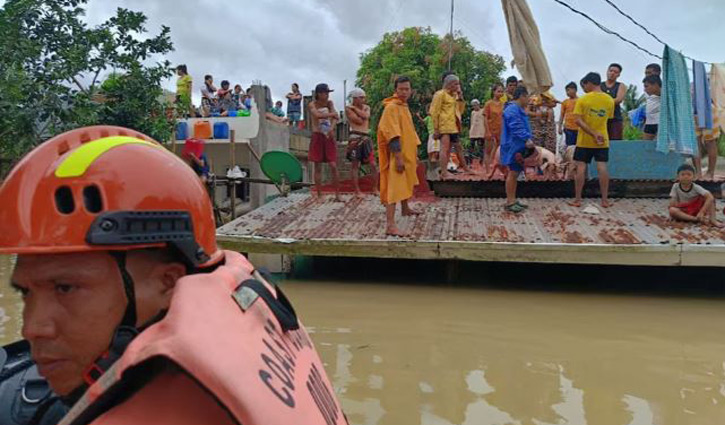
<point>310,41</point>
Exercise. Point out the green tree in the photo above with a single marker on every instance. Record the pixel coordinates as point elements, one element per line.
<point>423,56</point>
<point>632,100</point>
<point>50,65</point>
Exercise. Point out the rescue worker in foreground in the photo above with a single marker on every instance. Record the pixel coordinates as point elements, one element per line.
<point>131,311</point>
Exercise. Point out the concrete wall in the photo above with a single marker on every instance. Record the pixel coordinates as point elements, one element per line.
<point>640,160</point>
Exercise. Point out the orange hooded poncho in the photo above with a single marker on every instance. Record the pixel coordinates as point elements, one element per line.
<point>397,122</point>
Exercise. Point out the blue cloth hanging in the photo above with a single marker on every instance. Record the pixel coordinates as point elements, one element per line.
<point>677,122</point>
<point>703,101</point>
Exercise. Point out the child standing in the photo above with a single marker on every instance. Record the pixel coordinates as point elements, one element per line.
<point>567,119</point>
<point>690,201</point>
<point>653,88</point>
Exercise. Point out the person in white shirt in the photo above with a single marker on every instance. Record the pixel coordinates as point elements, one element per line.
<point>653,88</point>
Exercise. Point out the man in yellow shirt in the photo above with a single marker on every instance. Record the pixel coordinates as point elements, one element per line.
<point>592,112</point>
<point>446,110</point>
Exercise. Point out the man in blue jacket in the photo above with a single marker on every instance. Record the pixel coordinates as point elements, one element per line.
<point>515,144</point>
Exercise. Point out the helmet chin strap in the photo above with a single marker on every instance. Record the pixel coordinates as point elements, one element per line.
<point>124,333</point>
<point>129,316</point>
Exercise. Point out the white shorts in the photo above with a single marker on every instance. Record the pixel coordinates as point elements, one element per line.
<point>433,144</point>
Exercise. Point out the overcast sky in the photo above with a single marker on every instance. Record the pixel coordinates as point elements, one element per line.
<point>311,41</point>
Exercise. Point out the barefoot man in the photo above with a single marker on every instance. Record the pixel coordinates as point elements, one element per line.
<point>359,145</point>
<point>592,111</point>
<point>323,148</point>
<point>398,153</point>
<point>447,109</point>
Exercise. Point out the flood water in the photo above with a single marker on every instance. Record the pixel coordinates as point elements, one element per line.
<point>493,350</point>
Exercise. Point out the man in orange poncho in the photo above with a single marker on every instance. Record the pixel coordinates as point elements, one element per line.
<point>398,154</point>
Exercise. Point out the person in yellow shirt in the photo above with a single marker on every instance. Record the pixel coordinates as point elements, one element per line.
<point>567,120</point>
<point>592,112</point>
<point>183,91</point>
<point>446,110</point>
<point>398,154</point>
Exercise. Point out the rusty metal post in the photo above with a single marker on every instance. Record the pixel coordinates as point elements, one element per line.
<point>233,196</point>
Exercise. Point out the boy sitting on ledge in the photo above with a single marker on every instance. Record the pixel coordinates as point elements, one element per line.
<point>690,201</point>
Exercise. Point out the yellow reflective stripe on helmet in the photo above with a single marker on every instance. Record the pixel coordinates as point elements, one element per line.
<point>80,159</point>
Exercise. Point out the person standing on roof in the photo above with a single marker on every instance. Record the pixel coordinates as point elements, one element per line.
<point>294,105</point>
<point>323,147</point>
<point>398,154</point>
<point>476,134</point>
<point>516,145</point>
<point>447,109</point>
<point>617,90</point>
<point>359,145</point>
<point>592,111</point>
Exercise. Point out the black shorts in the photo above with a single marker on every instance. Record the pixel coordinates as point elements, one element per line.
<point>454,137</point>
<point>585,155</point>
<point>651,129</point>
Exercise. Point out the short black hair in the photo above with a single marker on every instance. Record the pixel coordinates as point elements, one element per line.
<point>655,67</point>
<point>207,76</point>
<point>400,80</point>
<point>225,83</point>
<point>182,68</point>
<point>237,85</point>
<point>571,85</point>
<point>685,167</point>
<point>296,85</point>
<point>446,73</point>
<point>520,91</point>
<point>512,79</point>
<point>593,78</point>
<point>616,65</point>
<point>654,80</point>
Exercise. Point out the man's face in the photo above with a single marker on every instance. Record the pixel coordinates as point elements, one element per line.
<point>613,73</point>
<point>476,106</point>
<point>237,90</point>
<point>74,302</point>
<point>587,87</point>
<point>511,87</point>
<point>323,96</point>
<point>403,91</point>
<point>454,87</point>
<point>571,93</point>
<point>358,101</point>
<point>72,305</point>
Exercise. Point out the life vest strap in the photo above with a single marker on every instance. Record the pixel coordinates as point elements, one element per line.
<point>279,305</point>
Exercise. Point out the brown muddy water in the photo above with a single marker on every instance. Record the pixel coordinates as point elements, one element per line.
<point>495,350</point>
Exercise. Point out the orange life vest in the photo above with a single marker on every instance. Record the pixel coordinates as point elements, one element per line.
<point>228,360</point>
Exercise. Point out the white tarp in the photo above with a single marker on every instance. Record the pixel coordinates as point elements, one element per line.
<point>529,57</point>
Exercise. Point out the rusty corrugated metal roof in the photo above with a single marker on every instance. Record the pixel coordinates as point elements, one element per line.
<point>630,221</point>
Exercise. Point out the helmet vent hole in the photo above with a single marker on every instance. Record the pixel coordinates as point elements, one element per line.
<point>92,199</point>
<point>64,200</point>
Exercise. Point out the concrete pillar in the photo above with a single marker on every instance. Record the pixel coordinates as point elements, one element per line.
<point>271,137</point>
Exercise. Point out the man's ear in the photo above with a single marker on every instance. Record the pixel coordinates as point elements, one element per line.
<point>170,273</point>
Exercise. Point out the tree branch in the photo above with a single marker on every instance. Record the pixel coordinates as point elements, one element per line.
<point>78,83</point>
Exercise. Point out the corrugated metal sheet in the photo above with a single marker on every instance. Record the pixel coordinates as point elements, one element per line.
<point>630,221</point>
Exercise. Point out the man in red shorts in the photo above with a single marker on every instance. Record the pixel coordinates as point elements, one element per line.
<point>323,148</point>
<point>690,201</point>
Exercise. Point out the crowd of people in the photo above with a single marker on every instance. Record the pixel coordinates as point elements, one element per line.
<point>225,101</point>
<point>511,132</point>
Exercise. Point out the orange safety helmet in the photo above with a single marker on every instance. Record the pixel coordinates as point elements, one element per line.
<point>106,188</point>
